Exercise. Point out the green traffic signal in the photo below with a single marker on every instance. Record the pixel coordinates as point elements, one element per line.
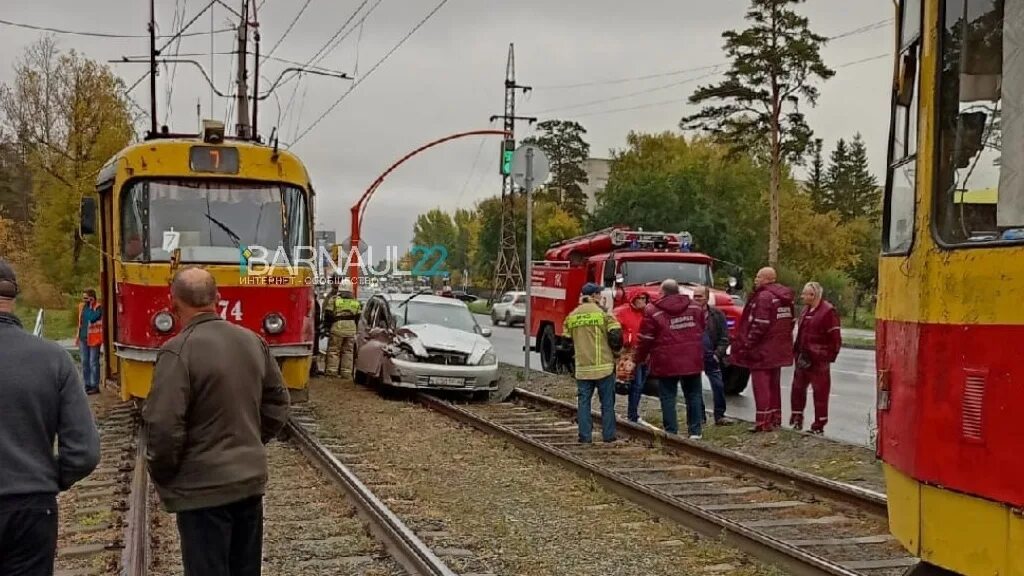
<point>508,149</point>
<point>506,163</point>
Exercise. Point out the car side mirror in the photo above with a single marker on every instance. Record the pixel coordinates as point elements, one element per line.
<point>486,332</point>
<point>88,221</point>
<point>620,280</point>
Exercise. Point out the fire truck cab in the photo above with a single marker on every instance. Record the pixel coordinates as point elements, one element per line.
<point>624,262</point>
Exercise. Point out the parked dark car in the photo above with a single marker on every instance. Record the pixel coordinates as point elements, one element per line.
<point>464,296</point>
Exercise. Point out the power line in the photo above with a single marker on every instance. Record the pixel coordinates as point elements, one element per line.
<point>678,101</point>
<point>102,34</point>
<point>843,35</point>
<point>287,30</point>
<point>630,94</point>
<point>370,72</point>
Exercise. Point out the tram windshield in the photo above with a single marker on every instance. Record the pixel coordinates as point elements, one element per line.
<point>213,219</point>
<point>981,122</point>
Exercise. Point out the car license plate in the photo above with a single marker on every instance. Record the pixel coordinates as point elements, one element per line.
<point>447,381</point>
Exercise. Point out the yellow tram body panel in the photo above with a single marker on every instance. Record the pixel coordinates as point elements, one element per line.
<point>950,337</point>
<point>138,287</point>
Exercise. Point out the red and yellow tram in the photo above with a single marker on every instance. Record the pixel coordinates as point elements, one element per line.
<point>175,201</point>
<point>951,290</point>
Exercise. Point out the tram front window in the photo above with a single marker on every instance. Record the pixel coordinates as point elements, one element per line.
<point>212,219</point>
<point>981,123</point>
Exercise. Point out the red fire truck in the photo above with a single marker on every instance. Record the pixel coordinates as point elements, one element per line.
<point>625,262</point>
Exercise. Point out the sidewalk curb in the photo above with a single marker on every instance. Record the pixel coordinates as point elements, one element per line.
<point>859,346</point>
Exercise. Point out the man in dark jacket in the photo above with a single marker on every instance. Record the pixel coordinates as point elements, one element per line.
<point>716,343</point>
<point>42,405</point>
<point>671,342</point>
<point>217,398</point>
<point>818,340</point>
<point>764,344</point>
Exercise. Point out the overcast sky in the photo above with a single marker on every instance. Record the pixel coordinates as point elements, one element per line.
<point>448,78</point>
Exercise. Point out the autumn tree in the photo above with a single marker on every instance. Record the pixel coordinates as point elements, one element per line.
<point>16,200</point>
<point>69,115</point>
<point>775,64</point>
<point>436,228</point>
<point>567,151</point>
<point>665,182</point>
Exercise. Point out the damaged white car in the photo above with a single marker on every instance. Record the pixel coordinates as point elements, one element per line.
<point>424,341</point>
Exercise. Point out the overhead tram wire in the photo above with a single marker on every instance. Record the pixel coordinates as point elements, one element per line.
<point>843,35</point>
<point>287,31</point>
<point>370,72</point>
<point>178,18</point>
<point>631,94</point>
<point>336,40</point>
<point>104,34</point>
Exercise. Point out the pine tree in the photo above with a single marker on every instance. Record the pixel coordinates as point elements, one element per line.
<point>837,180</point>
<point>562,141</point>
<point>775,65</point>
<point>865,195</point>
<point>816,187</point>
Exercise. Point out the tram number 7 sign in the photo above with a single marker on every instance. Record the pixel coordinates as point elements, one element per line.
<point>234,308</point>
<point>219,159</point>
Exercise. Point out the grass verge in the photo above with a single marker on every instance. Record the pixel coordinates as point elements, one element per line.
<point>480,307</point>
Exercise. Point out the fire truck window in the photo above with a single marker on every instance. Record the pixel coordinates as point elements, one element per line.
<point>980,194</point>
<point>654,272</point>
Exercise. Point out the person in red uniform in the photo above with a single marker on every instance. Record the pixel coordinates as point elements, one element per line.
<point>763,343</point>
<point>818,340</point>
<point>672,339</point>
<point>629,316</point>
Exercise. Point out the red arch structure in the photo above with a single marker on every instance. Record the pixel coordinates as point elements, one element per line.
<point>359,208</point>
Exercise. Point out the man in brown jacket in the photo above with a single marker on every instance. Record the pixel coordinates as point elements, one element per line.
<point>217,398</point>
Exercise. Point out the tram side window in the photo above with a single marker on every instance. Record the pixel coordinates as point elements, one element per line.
<point>980,144</point>
<point>902,180</point>
<point>133,224</point>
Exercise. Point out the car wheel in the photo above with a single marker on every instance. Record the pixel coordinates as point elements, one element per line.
<point>508,319</point>
<point>494,319</point>
<point>736,378</point>
<point>548,353</point>
<point>359,377</point>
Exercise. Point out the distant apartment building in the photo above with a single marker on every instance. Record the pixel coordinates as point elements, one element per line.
<point>597,170</point>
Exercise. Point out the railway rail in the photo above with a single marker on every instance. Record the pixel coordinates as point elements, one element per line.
<point>297,514</point>
<point>806,525</point>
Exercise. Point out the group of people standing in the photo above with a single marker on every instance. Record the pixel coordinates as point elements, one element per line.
<point>669,343</point>
<point>217,398</point>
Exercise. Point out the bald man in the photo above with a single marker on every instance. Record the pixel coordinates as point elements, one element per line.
<point>217,398</point>
<point>763,343</point>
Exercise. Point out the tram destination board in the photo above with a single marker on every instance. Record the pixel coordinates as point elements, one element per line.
<point>219,159</point>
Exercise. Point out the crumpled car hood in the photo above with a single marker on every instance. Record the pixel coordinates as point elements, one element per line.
<point>419,337</point>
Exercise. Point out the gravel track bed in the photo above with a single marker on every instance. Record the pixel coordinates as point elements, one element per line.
<point>815,455</point>
<point>90,517</point>
<point>512,512</point>
<point>668,472</point>
<point>310,529</point>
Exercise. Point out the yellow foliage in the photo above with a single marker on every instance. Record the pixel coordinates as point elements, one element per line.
<point>812,242</point>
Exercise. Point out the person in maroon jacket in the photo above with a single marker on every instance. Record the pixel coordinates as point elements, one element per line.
<point>763,342</point>
<point>818,340</point>
<point>671,341</point>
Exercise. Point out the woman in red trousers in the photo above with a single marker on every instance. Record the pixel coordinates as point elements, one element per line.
<point>817,345</point>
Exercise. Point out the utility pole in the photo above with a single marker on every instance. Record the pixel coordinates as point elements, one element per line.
<point>508,272</point>
<point>152,67</point>
<point>241,89</point>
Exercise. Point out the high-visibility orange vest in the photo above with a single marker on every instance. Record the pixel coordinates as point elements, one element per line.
<point>94,332</point>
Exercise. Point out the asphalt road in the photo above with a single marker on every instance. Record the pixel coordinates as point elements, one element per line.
<point>851,407</point>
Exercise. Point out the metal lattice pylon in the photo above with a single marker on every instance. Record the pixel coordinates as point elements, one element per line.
<point>508,271</point>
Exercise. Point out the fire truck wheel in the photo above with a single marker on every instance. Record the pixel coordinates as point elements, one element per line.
<point>548,352</point>
<point>736,378</point>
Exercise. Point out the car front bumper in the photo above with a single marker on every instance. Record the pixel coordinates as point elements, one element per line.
<point>423,375</point>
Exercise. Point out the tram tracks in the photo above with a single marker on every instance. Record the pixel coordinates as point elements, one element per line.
<point>801,523</point>
<point>93,513</point>
<point>310,526</point>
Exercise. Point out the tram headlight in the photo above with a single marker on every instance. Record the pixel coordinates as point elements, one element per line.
<point>273,324</point>
<point>163,322</point>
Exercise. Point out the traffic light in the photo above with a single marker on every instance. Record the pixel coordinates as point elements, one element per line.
<point>508,148</point>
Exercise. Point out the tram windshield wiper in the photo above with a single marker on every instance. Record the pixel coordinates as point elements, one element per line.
<point>231,234</point>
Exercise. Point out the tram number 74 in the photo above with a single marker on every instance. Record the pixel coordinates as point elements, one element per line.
<point>234,308</point>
